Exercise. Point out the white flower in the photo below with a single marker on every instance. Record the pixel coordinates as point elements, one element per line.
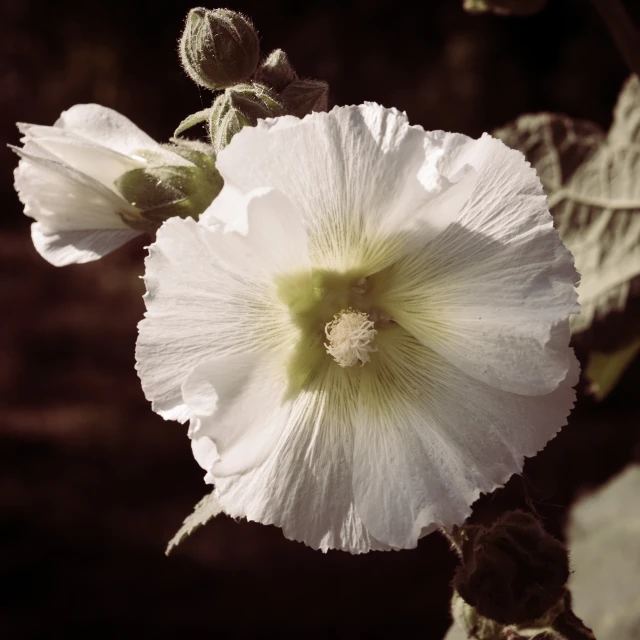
<point>367,328</point>
<point>67,176</point>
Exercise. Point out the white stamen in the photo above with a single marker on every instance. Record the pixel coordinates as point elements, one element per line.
<point>350,336</point>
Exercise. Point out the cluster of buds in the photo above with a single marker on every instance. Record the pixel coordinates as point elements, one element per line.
<point>220,50</point>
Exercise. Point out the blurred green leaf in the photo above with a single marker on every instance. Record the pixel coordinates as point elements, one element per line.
<point>605,369</point>
<point>505,7</point>
<point>206,509</point>
<point>604,541</point>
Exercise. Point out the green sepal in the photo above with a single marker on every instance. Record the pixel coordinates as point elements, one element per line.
<point>301,97</point>
<point>238,107</point>
<point>276,71</point>
<point>193,120</point>
<point>162,192</point>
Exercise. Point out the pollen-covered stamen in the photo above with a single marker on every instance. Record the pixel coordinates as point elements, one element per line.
<point>350,336</point>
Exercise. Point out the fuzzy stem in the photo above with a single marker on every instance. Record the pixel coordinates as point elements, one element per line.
<point>455,539</point>
<point>624,32</point>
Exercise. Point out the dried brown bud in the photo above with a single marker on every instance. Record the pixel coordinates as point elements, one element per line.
<point>512,572</point>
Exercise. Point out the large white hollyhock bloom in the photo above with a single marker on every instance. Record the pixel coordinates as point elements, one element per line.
<point>67,179</point>
<point>368,327</point>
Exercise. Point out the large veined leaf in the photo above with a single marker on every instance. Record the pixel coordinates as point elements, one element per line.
<point>592,181</point>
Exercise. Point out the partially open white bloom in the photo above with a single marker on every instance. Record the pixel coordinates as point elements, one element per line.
<point>67,177</point>
<point>367,328</point>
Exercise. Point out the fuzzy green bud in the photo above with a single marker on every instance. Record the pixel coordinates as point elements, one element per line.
<point>304,96</point>
<point>276,71</point>
<point>219,48</point>
<point>240,106</point>
<point>166,191</point>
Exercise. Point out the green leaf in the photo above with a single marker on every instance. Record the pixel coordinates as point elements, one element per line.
<point>604,535</point>
<point>592,181</point>
<point>206,509</point>
<point>604,370</point>
<point>192,121</point>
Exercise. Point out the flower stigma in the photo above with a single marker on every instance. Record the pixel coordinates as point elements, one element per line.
<point>350,336</point>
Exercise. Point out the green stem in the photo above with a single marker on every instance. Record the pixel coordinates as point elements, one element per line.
<point>624,32</point>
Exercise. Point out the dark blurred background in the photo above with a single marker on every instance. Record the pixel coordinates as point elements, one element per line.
<point>92,483</point>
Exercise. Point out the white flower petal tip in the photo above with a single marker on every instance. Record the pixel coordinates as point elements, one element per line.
<point>66,180</point>
<point>367,329</point>
<point>78,247</point>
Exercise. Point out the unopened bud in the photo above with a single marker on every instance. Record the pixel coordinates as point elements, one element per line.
<point>304,96</point>
<point>276,71</point>
<point>164,191</point>
<point>240,106</point>
<point>512,572</point>
<point>219,48</point>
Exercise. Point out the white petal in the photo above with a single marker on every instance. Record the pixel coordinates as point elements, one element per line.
<point>305,485</point>
<point>429,439</point>
<point>266,223</point>
<point>100,163</point>
<point>76,247</point>
<point>357,175</point>
<point>111,129</point>
<point>204,451</point>
<point>229,209</point>
<point>63,199</point>
<point>207,297</point>
<point>493,293</point>
<point>239,403</point>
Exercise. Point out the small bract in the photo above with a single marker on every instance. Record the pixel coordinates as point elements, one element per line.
<point>367,328</point>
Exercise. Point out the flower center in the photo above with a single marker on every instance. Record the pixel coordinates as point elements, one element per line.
<point>350,335</point>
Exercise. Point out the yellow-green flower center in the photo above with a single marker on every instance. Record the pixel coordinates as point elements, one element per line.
<point>337,314</point>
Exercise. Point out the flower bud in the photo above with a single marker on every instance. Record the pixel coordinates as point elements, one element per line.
<point>219,48</point>
<point>161,192</point>
<point>238,107</point>
<point>304,96</point>
<point>276,71</point>
<point>513,572</point>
